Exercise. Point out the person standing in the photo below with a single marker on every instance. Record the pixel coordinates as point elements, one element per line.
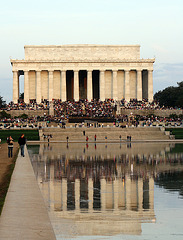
<point>22,142</point>
<point>10,146</point>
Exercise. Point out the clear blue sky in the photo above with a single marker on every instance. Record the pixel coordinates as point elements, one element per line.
<point>156,25</point>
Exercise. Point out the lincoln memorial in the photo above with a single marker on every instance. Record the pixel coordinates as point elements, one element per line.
<point>76,72</point>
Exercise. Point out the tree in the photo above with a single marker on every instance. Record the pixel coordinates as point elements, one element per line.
<point>2,103</point>
<point>21,96</point>
<point>170,96</point>
<point>3,114</point>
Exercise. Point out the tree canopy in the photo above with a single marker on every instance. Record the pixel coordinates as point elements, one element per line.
<point>2,102</point>
<point>170,96</point>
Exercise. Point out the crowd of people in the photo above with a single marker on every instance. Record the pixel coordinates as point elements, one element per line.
<point>142,105</point>
<point>44,105</point>
<point>95,109</point>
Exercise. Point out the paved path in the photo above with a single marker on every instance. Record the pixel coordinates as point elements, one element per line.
<point>24,216</point>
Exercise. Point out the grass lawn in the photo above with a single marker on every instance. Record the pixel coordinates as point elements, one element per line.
<point>32,134</point>
<point>177,132</point>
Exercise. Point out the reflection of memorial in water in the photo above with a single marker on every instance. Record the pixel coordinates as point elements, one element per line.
<point>109,197</point>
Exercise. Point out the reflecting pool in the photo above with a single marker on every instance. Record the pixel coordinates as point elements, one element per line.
<point>112,191</point>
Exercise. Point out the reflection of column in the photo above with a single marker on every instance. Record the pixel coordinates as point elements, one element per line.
<point>128,193</point>
<point>77,194</point>
<point>57,196</point>
<point>64,194</point>
<point>51,186</point>
<point>89,86</point>
<point>127,85</point>
<point>90,193</point>
<point>63,86</point>
<point>115,87</point>
<point>140,194</point>
<point>139,85</point>
<point>134,196</point>
<point>76,85</point>
<point>26,86</point>
<point>50,85</point>
<point>150,85</point>
<point>38,86</point>
<point>151,193</point>
<point>102,86</point>
<point>115,194</point>
<point>121,195</point>
<point>103,193</point>
<point>15,86</point>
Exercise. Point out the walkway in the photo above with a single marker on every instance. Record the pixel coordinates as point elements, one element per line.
<point>24,215</point>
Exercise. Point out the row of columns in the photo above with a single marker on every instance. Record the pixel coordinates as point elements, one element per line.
<point>102,86</point>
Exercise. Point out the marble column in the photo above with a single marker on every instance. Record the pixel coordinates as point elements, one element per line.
<point>26,86</point>
<point>50,85</point>
<point>89,86</point>
<point>139,85</point>
<point>38,86</point>
<point>115,87</point>
<point>76,85</point>
<point>15,86</point>
<point>127,85</point>
<point>63,86</point>
<point>150,85</point>
<point>102,85</point>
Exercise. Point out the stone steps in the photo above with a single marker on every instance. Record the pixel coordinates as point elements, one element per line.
<point>101,133</point>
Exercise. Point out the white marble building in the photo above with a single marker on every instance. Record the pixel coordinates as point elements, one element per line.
<point>83,72</point>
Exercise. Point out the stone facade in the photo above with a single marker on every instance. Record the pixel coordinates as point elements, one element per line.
<point>83,72</point>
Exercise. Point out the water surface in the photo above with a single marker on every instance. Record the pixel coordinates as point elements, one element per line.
<point>112,191</point>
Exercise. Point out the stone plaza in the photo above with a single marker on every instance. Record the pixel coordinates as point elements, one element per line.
<point>73,72</point>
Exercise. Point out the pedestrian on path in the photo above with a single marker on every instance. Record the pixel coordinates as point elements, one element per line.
<point>10,146</point>
<point>22,142</point>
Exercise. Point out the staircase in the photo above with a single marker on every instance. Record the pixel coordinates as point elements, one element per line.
<point>112,134</point>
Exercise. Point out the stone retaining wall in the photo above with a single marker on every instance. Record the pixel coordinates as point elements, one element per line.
<point>30,113</point>
<point>161,113</point>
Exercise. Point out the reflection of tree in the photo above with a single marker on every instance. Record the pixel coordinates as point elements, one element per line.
<point>172,181</point>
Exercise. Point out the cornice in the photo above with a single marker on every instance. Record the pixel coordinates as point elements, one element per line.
<point>79,46</point>
<point>152,60</point>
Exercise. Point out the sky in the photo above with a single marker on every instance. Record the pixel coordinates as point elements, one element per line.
<point>156,25</point>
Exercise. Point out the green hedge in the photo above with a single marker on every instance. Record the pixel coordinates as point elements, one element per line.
<point>29,134</point>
